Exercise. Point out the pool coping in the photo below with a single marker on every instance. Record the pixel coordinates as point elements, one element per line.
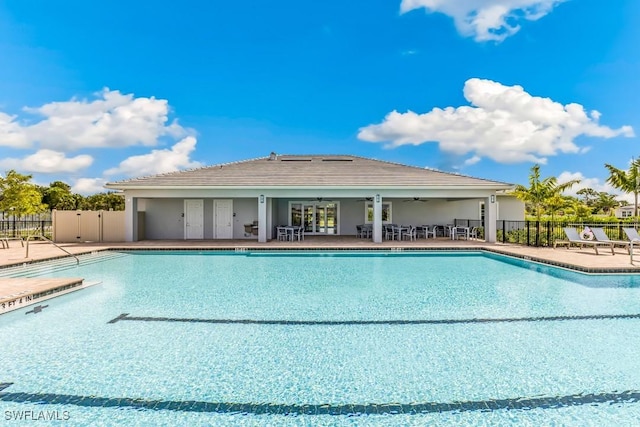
<point>244,249</point>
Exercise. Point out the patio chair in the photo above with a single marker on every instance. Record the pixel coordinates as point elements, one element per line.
<point>425,231</point>
<point>283,234</point>
<point>473,234</point>
<point>410,233</point>
<point>574,239</point>
<point>632,234</point>
<point>601,236</point>
<point>458,233</point>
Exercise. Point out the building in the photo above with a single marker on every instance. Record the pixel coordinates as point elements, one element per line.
<point>327,194</point>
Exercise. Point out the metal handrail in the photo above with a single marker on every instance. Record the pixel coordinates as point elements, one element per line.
<point>53,243</point>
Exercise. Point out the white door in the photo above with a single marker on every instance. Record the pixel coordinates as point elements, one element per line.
<point>194,218</point>
<point>223,219</point>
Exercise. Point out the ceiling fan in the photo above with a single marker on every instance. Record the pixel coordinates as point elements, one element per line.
<point>366,199</point>
<point>416,199</point>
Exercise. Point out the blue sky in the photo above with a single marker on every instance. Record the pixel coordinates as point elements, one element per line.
<point>92,92</point>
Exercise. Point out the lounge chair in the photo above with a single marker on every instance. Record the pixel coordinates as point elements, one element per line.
<point>601,236</point>
<point>632,234</point>
<point>574,239</point>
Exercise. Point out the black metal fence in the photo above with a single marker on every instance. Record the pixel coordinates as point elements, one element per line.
<point>543,233</point>
<point>28,225</point>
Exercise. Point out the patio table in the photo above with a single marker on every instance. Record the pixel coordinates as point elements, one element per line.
<point>398,230</point>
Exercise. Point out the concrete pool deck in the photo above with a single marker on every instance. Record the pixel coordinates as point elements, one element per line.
<point>584,259</point>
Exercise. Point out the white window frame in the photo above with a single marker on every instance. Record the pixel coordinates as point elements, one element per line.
<point>369,205</point>
<point>481,211</point>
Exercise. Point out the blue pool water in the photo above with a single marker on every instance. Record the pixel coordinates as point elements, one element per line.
<point>325,339</point>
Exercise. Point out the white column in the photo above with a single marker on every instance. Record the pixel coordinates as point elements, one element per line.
<point>269,218</point>
<point>131,219</point>
<point>490,219</point>
<point>262,219</point>
<point>377,218</point>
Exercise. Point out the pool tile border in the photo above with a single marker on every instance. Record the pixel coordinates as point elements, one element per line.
<point>248,249</point>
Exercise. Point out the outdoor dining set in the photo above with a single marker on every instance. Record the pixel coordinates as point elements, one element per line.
<point>410,232</point>
<point>290,232</point>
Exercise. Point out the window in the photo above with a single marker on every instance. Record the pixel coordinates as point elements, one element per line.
<point>296,214</point>
<point>386,213</point>
<point>626,214</point>
<point>481,212</point>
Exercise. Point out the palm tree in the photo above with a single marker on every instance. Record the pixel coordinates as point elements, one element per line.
<point>540,190</point>
<point>556,203</point>
<point>606,202</point>
<point>627,181</point>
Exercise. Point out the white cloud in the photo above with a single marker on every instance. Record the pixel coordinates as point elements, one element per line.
<point>88,186</point>
<point>485,19</point>
<point>159,161</point>
<point>593,183</point>
<point>48,161</point>
<point>111,120</point>
<point>11,133</point>
<point>503,123</point>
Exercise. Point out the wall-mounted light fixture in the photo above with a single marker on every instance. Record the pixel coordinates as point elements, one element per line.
<point>262,198</point>
<point>493,198</point>
<point>377,198</point>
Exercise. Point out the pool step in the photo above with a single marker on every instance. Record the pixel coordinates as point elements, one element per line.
<point>60,264</point>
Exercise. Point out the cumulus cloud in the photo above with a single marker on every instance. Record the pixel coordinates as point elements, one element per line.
<point>159,161</point>
<point>485,20</point>
<point>88,186</point>
<point>48,161</point>
<point>503,123</point>
<point>112,119</point>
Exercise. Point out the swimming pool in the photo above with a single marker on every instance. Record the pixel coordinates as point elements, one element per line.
<point>346,338</point>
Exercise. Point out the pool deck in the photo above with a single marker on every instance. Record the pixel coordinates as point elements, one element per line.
<point>584,259</point>
<point>16,293</point>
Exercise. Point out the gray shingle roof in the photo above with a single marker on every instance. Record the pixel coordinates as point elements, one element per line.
<point>308,171</point>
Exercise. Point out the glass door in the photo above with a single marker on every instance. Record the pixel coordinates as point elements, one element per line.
<point>308,213</point>
<point>326,218</point>
<point>316,217</point>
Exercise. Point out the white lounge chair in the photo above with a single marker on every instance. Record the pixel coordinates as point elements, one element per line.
<point>574,239</point>
<point>601,236</point>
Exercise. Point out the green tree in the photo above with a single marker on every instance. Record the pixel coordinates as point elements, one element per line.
<point>588,195</point>
<point>627,181</point>
<point>59,196</point>
<point>556,203</point>
<point>19,195</point>
<point>540,190</point>
<point>104,201</point>
<point>581,211</point>
<point>605,202</point>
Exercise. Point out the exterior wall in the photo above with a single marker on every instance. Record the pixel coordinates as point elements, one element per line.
<point>245,211</point>
<point>624,211</point>
<point>351,214</point>
<point>511,208</point>
<point>164,219</point>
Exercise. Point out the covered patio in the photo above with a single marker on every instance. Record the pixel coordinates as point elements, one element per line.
<point>324,195</point>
